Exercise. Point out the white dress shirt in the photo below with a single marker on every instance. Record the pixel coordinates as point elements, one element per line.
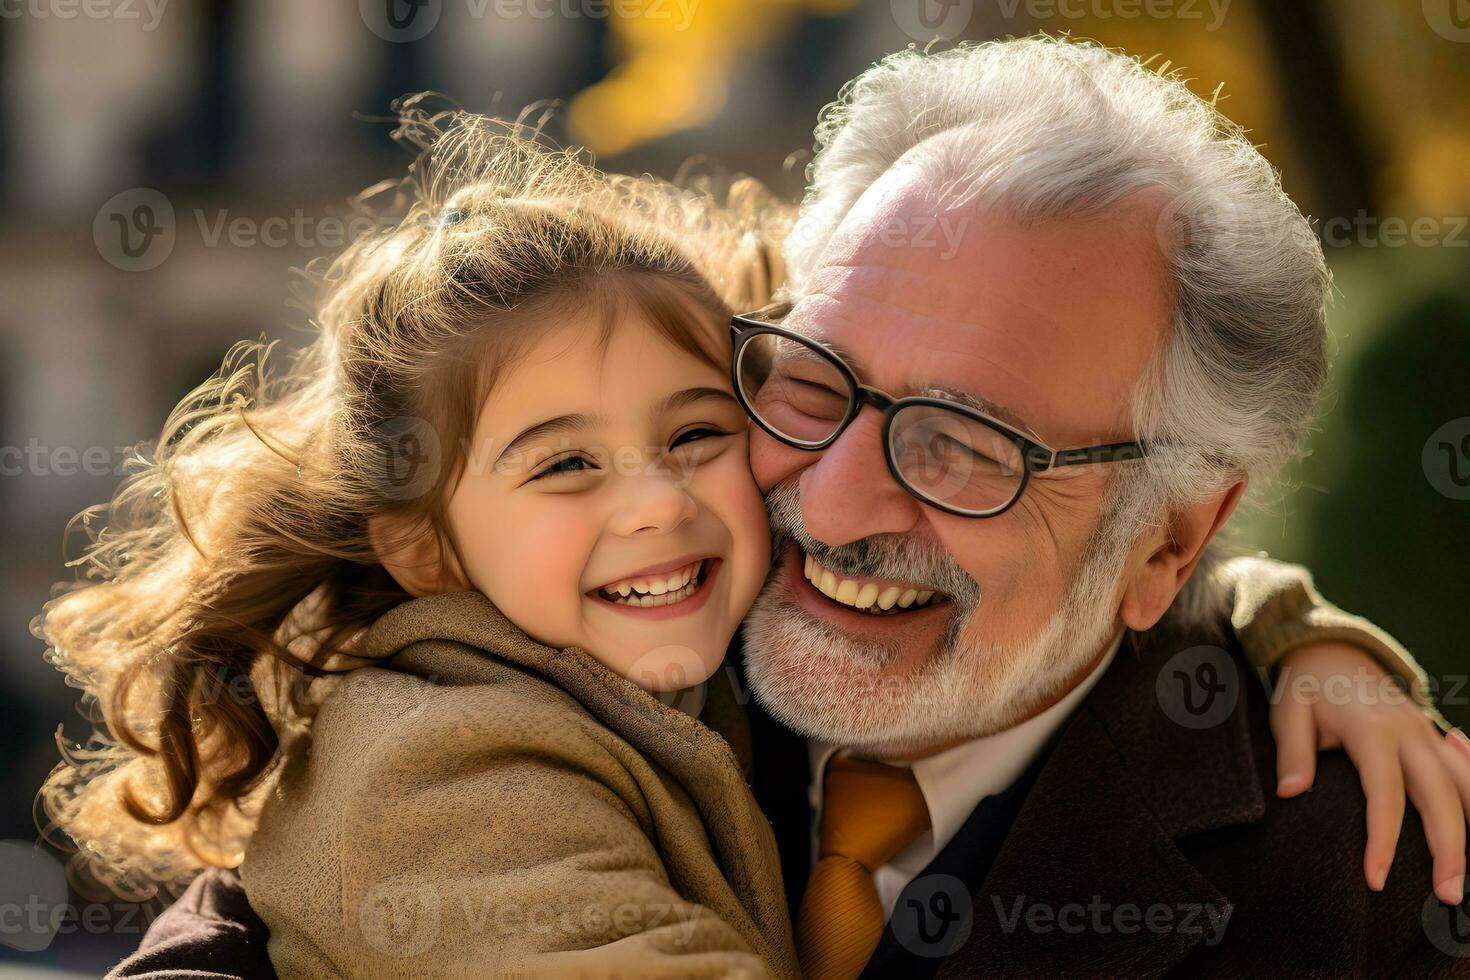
<point>956,780</point>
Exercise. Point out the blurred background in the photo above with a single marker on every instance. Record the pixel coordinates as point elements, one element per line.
<point>164,164</point>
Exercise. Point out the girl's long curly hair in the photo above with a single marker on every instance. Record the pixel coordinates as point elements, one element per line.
<point>234,569</point>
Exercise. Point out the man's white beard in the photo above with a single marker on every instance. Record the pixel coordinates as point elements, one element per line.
<point>827,686</point>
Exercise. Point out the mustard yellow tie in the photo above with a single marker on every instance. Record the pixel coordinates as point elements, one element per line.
<point>870,812</point>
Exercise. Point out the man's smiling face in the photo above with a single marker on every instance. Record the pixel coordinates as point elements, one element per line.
<point>1052,323</point>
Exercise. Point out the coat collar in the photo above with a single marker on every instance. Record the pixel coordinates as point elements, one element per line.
<point>1093,854</point>
<point>710,765</point>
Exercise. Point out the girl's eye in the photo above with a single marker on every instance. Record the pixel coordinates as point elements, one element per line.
<point>564,464</point>
<point>694,446</point>
<point>693,435</point>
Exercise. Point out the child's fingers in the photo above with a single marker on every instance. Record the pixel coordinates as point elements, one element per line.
<point>1438,803</point>
<point>1454,751</point>
<point>1383,785</point>
<point>1295,729</point>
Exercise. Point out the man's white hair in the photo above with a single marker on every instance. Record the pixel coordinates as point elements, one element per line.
<point>1048,127</point>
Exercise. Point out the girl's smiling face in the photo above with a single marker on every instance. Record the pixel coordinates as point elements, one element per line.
<point>607,502</point>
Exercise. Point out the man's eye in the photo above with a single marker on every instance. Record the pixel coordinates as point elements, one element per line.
<point>564,464</point>
<point>694,435</point>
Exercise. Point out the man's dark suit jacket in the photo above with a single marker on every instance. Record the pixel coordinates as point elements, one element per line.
<point>1146,841</point>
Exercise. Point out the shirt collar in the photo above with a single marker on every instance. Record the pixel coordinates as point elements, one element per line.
<point>956,780</point>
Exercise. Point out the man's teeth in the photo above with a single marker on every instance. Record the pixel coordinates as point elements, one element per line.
<point>867,596</point>
<point>656,590</point>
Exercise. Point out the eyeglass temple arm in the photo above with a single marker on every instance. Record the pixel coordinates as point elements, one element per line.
<point>1045,459</point>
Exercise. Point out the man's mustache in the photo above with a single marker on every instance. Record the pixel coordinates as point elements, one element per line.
<point>889,556</point>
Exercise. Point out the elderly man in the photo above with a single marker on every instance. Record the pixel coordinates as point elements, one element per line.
<point>1002,727</point>
<point>1071,281</point>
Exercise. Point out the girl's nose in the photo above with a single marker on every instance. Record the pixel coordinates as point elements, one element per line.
<point>652,505</point>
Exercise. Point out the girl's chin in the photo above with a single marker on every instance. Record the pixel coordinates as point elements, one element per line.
<point>671,667</point>
<point>672,647</point>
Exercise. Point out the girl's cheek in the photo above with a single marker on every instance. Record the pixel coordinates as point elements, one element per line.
<point>531,565</point>
<point>726,487</point>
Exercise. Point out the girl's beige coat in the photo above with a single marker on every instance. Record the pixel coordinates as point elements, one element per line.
<point>483,804</point>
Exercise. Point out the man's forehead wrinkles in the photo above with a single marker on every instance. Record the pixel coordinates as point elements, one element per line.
<point>939,280</point>
<point>936,302</point>
<point>972,354</point>
<point>820,309</point>
<point>841,298</point>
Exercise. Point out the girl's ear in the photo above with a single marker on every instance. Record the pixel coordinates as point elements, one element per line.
<point>416,555</point>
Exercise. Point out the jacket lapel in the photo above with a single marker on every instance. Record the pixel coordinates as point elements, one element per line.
<point>1090,880</point>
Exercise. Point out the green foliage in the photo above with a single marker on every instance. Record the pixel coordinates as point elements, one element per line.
<point>1360,511</point>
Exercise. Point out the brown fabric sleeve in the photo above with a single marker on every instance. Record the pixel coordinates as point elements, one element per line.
<point>1276,608</point>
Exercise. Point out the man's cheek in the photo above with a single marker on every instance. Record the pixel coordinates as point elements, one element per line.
<point>746,495</point>
<point>1017,588</point>
<point>771,462</point>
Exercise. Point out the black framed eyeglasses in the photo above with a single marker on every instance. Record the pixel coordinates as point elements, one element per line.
<point>949,455</point>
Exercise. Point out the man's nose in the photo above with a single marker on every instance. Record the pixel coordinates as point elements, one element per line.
<point>848,493</point>
<point>651,504</point>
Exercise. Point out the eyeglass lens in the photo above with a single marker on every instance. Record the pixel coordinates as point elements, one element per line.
<point>799,395</point>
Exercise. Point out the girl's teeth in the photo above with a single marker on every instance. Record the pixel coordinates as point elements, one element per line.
<point>660,591</point>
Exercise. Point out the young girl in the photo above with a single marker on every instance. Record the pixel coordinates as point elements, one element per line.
<point>406,628</point>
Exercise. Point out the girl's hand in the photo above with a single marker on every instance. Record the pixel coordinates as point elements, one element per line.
<point>1333,695</point>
